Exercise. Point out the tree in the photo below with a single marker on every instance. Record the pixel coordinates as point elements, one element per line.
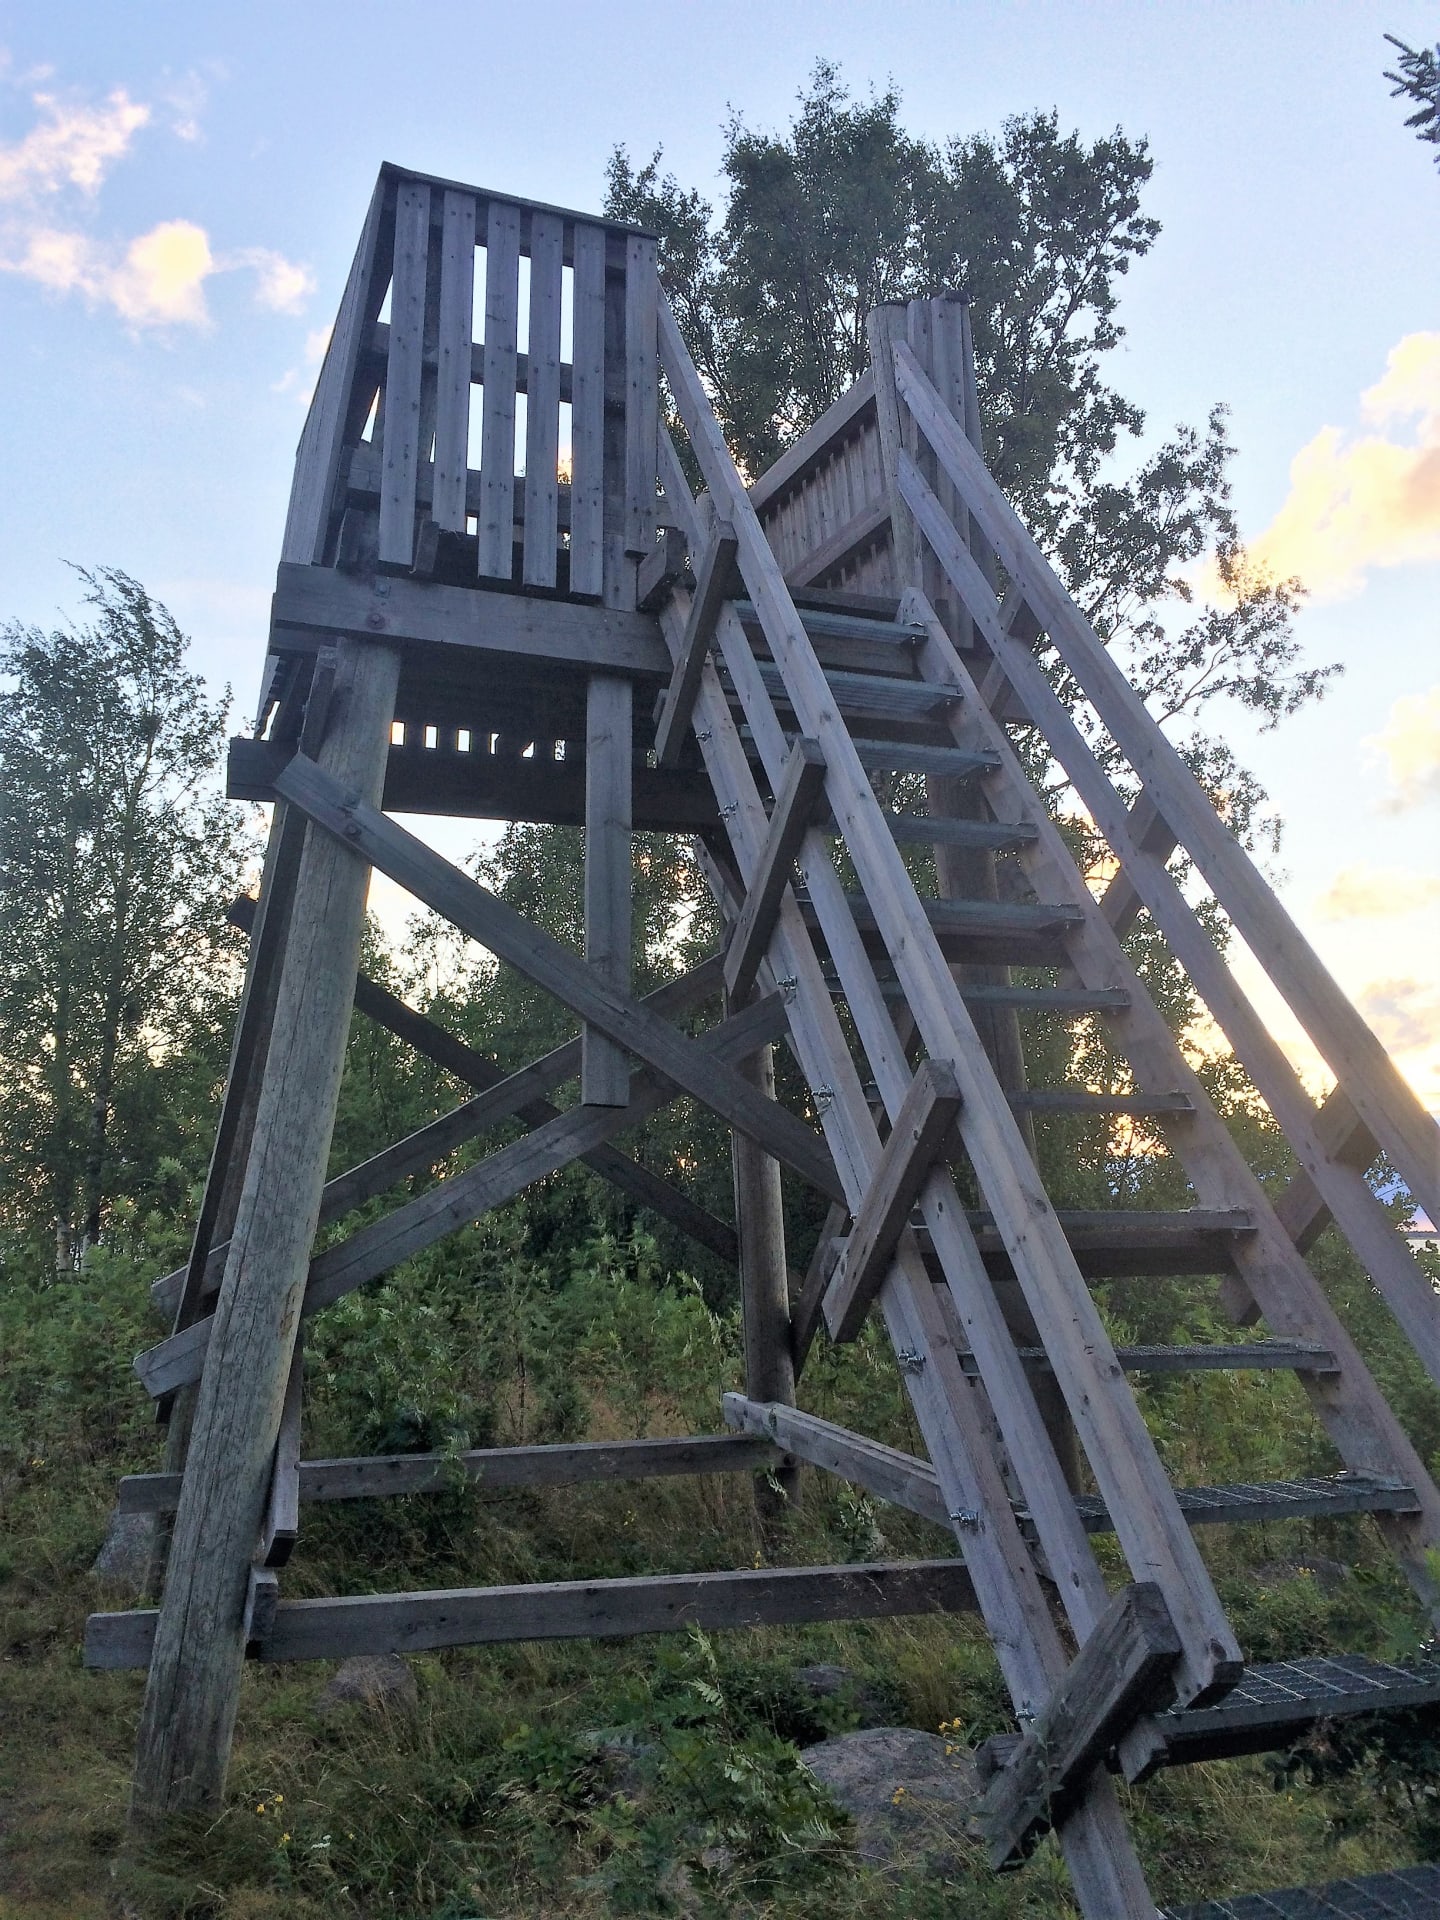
<point>845,210</point>
<point>1418,82</point>
<point>118,855</point>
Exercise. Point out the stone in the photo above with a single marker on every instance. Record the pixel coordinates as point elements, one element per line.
<point>1326,1573</point>
<point>622,1756</point>
<point>380,1681</point>
<point>124,1559</point>
<point>909,1793</point>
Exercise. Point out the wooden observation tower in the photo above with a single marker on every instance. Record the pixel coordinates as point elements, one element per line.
<point>499,598</point>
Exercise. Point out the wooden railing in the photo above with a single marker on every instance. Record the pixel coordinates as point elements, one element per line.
<point>824,505</point>
<point>552,317</point>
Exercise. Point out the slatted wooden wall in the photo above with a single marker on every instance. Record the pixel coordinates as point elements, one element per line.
<point>551,471</point>
<point>824,506</point>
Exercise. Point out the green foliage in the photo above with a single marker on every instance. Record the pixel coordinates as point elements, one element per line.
<point>1418,84</point>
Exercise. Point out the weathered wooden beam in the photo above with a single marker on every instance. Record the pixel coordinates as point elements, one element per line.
<point>916,1140</point>
<point>1119,1673</point>
<point>1120,903</point>
<point>890,1475</point>
<point>572,1610</point>
<point>577,1463</point>
<point>714,585</point>
<point>805,1318</point>
<point>455,1202</point>
<point>262,1597</point>
<point>661,570</point>
<point>609,883</point>
<point>477,912</point>
<point>799,794</point>
<point>313,604</point>
<point>1300,1209</point>
<point>281,1528</point>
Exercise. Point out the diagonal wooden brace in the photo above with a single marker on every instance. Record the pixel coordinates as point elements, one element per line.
<point>477,912</point>
<point>801,786</point>
<point>1119,1674</point>
<point>714,585</point>
<point>926,1116</point>
<point>282,1512</point>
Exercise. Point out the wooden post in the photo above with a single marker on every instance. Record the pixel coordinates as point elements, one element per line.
<point>194,1684</point>
<point>764,1291</point>
<point>604,1066</point>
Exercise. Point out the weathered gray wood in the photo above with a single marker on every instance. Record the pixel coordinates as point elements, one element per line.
<point>764,1288</point>
<point>311,602</point>
<point>917,1139</point>
<point>262,1597</point>
<point>798,796</point>
<point>587,413</point>
<point>455,1202</point>
<point>456,348</point>
<point>714,583</point>
<point>1120,1672</point>
<point>190,1702</point>
<point>642,393</point>
<point>496,526</point>
<point>579,1463</point>
<point>1381,1096</point>
<point>403,376</point>
<point>573,1610</point>
<point>282,1512</point>
<point>805,1319</point>
<point>842,416</point>
<point>609,710</point>
<point>542,405</point>
<point>661,569</point>
<point>487,919</point>
<point>890,1475</point>
<point>1117,1443</point>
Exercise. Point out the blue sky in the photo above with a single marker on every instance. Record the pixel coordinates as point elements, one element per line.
<point>181,188</point>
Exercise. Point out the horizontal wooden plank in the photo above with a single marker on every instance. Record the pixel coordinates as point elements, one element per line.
<point>378,1476</point>
<point>572,1610</point>
<point>318,602</point>
<point>861,530</point>
<point>380,346</point>
<point>842,416</point>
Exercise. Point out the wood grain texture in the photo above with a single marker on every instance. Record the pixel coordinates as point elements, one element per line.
<point>403,377</point>
<point>800,792</point>
<point>496,523</point>
<point>609,747</point>
<point>542,403</point>
<point>455,353</point>
<point>587,414</point>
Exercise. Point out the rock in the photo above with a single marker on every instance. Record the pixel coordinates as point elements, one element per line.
<point>1327,1574</point>
<point>124,1559</point>
<point>909,1793</point>
<point>376,1680</point>
<point>826,1681</point>
<point>622,1756</point>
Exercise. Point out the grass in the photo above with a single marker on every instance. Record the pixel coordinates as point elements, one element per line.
<point>647,1777</point>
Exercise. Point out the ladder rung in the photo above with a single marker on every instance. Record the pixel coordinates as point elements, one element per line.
<point>1062,1100</point>
<point>1254,1355</point>
<point>1272,1500</point>
<point>926,830</point>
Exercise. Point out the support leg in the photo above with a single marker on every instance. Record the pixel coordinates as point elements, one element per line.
<point>764,1292</point>
<point>194,1682</point>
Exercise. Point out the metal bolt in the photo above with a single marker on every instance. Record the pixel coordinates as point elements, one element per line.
<point>824,1098</point>
<point>909,1360</point>
<point>703,737</point>
<point>729,813</point>
<point>967,1519</point>
<point>787,984</point>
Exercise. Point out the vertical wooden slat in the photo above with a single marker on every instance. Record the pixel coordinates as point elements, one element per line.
<point>542,401</point>
<point>604,1066</point>
<point>641,393</point>
<point>401,457</point>
<point>452,396</point>
<point>587,414</point>
<point>497,433</point>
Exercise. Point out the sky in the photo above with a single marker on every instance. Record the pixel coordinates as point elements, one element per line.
<point>182,187</point>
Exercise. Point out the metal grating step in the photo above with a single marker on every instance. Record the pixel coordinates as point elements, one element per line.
<point>1409,1893</point>
<point>874,696</point>
<point>1252,1355</point>
<point>1110,1243</point>
<point>1249,1501</point>
<point>901,756</point>
<point>925,830</point>
<point>1273,1704</point>
<point>1067,1100</point>
<point>830,624</point>
<point>1023,999</point>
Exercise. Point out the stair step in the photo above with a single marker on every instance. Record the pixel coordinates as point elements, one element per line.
<point>995,931</point>
<point>830,623</point>
<point>922,829</point>
<point>1252,1355</point>
<point>1408,1893</point>
<point>902,756</point>
<point>1119,1243</point>
<point>1063,1100</point>
<point>1272,1704</point>
<point>1319,1498</point>
<point>1023,999</point>
<point>873,696</point>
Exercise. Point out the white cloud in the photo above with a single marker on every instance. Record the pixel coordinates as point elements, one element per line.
<point>1364,500</point>
<point>1405,1014</point>
<point>155,280</point>
<point>1377,893</point>
<point>74,146</point>
<point>1410,744</point>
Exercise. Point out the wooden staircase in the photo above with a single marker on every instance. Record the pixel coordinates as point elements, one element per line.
<point>800,675</point>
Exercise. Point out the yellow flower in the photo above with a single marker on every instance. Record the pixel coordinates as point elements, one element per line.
<point>278,1798</point>
<point>261,1807</point>
<point>284,1839</point>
